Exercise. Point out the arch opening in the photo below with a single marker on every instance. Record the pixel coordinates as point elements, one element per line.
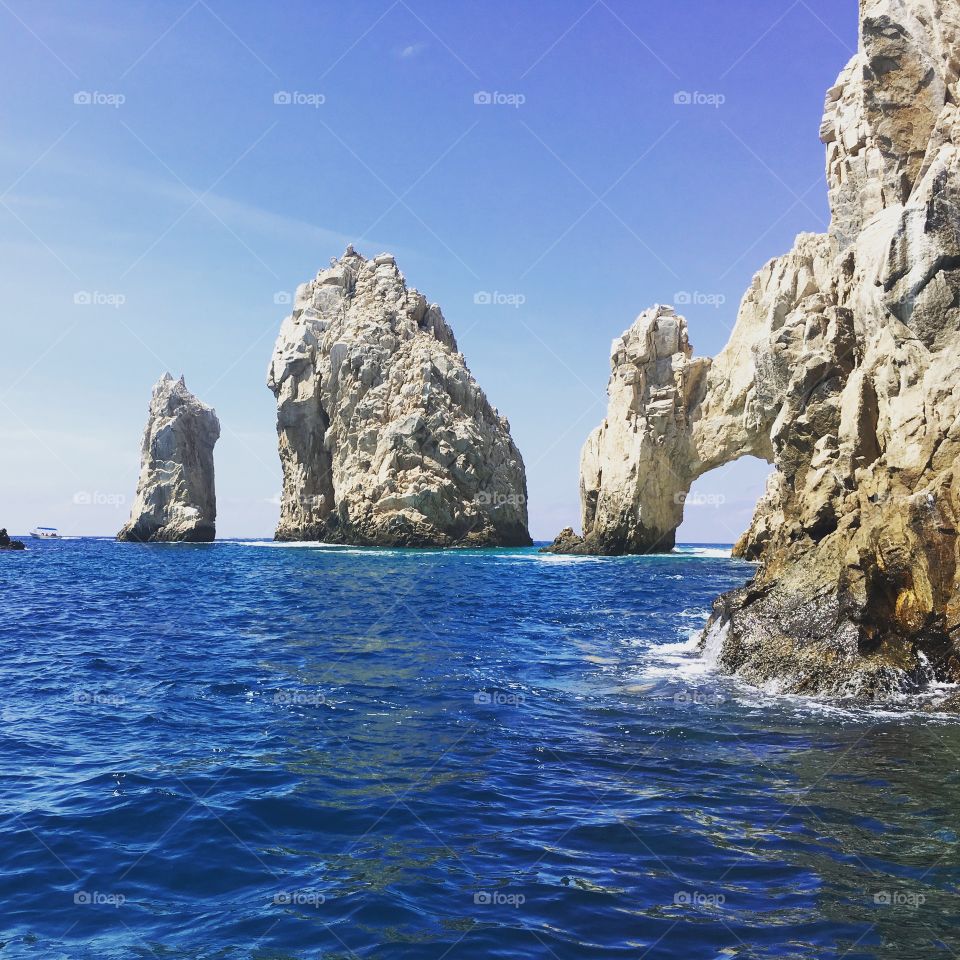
<point>721,503</point>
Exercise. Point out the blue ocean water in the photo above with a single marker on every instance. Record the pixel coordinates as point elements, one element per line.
<point>245,750</point>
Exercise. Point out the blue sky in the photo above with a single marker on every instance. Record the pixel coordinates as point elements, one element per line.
<point>156,203</point>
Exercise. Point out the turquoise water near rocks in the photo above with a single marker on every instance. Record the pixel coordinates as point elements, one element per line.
<point>247,750</point>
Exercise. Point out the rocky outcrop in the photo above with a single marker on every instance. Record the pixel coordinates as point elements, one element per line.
<point>630,493</point>
<point>672,418</point>
<point>858,592</point>
<point>385,437</point>
<point>7,544</point>
<point>843,371</point>
<point>175,498</point>
<point>887,110</point>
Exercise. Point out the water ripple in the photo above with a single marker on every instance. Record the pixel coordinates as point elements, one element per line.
<point>273,751</point>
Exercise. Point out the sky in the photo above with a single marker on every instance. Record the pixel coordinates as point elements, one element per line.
<point>171,171</point>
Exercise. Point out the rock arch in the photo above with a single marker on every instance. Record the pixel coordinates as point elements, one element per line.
<point>843,371</point>
<point>673,417</point>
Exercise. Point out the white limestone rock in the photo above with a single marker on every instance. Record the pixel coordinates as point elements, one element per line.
<point>385,437</point>
<point>176,498</point>
<point>631,494</point>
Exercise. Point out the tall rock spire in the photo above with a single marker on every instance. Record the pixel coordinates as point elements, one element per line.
<point>175,499</point>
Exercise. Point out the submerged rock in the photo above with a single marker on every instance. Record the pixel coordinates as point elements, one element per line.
<point>566,541</point>
<point>385,437</point>
<point>176,499</point>
<point>843,372</point>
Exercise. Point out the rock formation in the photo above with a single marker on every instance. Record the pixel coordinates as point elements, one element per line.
<point>843,371</point>
<point>385,438</point>
<point>7,544</point>
<point>175,498</point>
<point>631,498</point>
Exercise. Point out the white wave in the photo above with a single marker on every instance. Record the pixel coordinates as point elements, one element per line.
<point>680,661</point>
<point>770,696</point>
<point>297,544</point>
<point>722,553</point>
<point>701,614</point>
<point>713,645</point>
<point>311,545</point>
<point>915,706</point>
<point>684,662</point>
<point>719,553</point>
<point>568,558</point>
<point>680,648</point>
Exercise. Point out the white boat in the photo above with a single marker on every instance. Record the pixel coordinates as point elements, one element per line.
<point>45,533</point>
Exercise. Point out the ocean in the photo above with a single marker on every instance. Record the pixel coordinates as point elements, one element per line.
<point>249,750</point>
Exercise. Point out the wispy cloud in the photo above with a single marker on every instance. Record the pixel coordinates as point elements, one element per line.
<point>412,50</point>
<point>238,213</point>
<point>35,202</point>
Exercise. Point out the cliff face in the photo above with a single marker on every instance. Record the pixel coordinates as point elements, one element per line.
<point>385,438</point>
<point>175,500</point>
<point>858,593</point>
<point>843,372</point>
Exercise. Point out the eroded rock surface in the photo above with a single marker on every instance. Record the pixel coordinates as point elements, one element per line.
<point>843,371</point>
<point>672,418</point>
<point>630,492</point>
<point>385,437</point>
<point>176,499</point>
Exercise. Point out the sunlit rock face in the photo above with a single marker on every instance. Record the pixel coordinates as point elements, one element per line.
<point>636,466</point>
<point>176,499</point>
<point>672,417</point>
<point>842,371</point>
<point>385,437</point>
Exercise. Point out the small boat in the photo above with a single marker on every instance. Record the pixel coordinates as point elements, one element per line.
<point>45,533</point>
